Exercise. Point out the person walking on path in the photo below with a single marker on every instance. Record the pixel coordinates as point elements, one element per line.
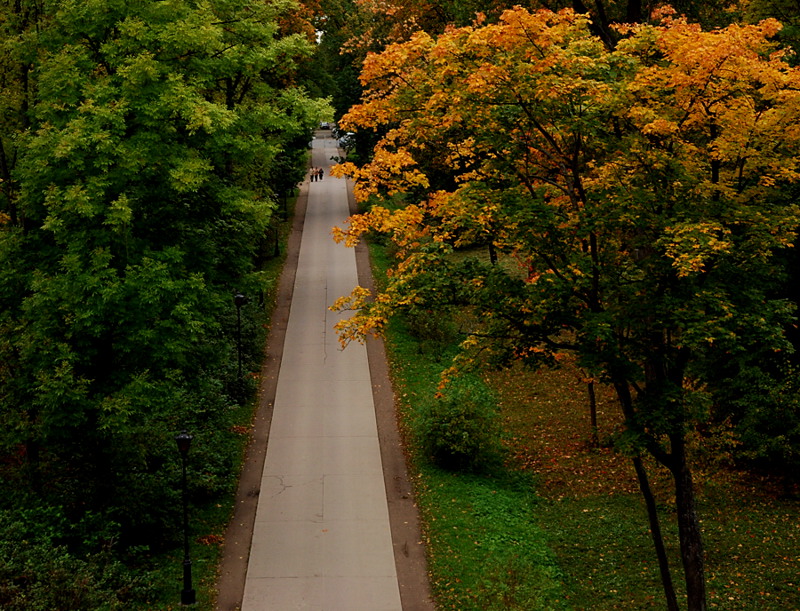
<point>322,537</point>
<point>309,530</point>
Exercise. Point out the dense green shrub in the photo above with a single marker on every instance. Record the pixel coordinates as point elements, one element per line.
<point>766,410</point>
<point>433,329</point>
<point>37,573</point>
<point>460,429</point>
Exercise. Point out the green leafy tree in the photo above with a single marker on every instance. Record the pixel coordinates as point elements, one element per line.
<point>21,22</point>
<point>335,67</point>
<point>152,152</point>
<point>785,11</point>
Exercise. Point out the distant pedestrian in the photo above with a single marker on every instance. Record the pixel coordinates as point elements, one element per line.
<point>313,174</point>
<point>320,172</point>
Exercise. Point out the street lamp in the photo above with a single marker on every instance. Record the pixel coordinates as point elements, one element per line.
<point>188,597</point>
<point>239,300</point>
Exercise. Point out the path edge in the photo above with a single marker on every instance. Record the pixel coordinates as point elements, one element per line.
<point>232,572</point>
<point>410,553</point>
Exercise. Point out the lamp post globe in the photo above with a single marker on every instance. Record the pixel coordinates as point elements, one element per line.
<point>184,442</point>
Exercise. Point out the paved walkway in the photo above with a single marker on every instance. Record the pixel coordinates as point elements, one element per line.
<point>322,537</point>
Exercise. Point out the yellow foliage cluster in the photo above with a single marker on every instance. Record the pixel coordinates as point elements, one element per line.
<point>670,147</point>
<point>404,225</point>
<point>690,246</point>
<point>392,170</point>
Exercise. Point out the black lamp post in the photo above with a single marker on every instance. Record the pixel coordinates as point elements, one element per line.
<point>188,597</point>
<point>239,301</point>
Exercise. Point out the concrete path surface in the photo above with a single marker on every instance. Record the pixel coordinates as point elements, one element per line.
<point>322,537</point>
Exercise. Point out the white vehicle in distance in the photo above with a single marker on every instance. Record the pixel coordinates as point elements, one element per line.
<point>347,141</point>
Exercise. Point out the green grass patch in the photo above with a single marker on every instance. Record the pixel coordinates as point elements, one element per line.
<point>604,548</point>
<point>486,549</point>
<point>597,523</point>
<point>565,527</point>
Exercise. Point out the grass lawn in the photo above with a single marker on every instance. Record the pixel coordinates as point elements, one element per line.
<point>597,522</point>
<point>563,526</point>
<point>486,549</point>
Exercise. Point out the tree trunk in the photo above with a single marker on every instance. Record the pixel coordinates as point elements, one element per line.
<point>593,414</point>
<point>633,12</point>
<point>655,531</point>
<point>33,465</point>
<point>626,402</point>
<point>5,185</point>
<point>688,527</point>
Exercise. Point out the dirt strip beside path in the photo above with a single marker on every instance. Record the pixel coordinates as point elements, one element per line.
<point>409,551</point>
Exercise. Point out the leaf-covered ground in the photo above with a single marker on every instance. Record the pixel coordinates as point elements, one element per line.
<point>596,521</point>
<point>578,538</point>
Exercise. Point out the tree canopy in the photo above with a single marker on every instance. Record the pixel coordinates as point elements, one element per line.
<point>629,201</point>
<point>145,147</point>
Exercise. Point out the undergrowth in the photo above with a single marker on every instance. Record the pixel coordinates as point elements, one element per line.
<point>561,524</point>
<point>486,549</point>
<point>209,519</point>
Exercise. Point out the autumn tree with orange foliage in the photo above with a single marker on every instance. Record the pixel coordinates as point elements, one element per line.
<point>373,24</point>
<point>628,201</point>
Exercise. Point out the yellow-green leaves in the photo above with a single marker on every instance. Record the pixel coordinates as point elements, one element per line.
<point>595,181</point>
<point>189,174</point>
<point>691,246</point>
<point>143,149</point>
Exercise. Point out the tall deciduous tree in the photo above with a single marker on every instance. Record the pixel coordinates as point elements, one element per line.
<point>629,202</point>
<point>21,21</point>
<point>390,21</point>
<point>150,158</point>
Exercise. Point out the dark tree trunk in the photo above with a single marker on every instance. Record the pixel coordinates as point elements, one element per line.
<point>655,531</point>
<point>593,414</point>
<point>5,174</point>
<point>633,13</point>
<point>626,402</point>
<point>33,465</point>
<point>688,528</point>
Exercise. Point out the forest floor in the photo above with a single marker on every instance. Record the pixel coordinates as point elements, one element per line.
<point>596,520</point>
<point>565,526</point>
